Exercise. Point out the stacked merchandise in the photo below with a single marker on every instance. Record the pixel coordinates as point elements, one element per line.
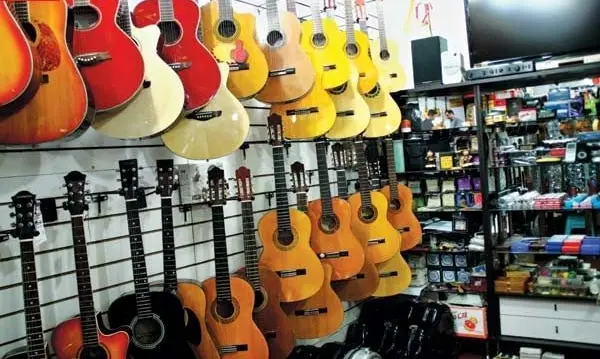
<point>530,353</point>
<point>550,201</point>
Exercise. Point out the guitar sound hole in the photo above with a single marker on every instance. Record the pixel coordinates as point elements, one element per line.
<point>171,31</point>
<point>374,92</point>
<point>275,38</point>
<point>29,31</point>
<point>329,224</point>
<point>147,332</point>
<point>85,17</point>
<point>259,299</point>
<point>227,29</point>
<point>225,309</point>
<point>367,213</point>
<point>93,352</point>
<point>395,204</point>
<point>384,55</point>
<point>319,40</point>
<point>286,238</point>
<point>351,49</point>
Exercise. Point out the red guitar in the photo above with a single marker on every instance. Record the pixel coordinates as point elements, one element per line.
<point>178,24</point>
<point>110,61</point>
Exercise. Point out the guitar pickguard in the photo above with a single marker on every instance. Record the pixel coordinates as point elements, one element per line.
<point>47,47</point>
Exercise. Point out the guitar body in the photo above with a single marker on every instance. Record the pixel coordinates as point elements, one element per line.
<point>156,107</point>
<point>185,50</point>
<point>287,56</point>
<point>360,286</point>
<point>369,75</point>
<point>221,128</point>
<point>376,233</point>
<point>249,69</point>
<point>394,276</point>
<point>19,74</point>
<point>389,67</point>
<point>335,237</point>
<point>193,300</point>
<point>167,309</point>
<point>21,353</point>
<point>385,113</point>
<point>47,117</point>
<point>115,81</point>
<point>318,316</point>
<point>229,333</point>
<point>353,114</point>
<point>308,117</point>
<point>67,342</point>
<point>270,318</point>
<point>330,59</point>
<point>401,216</point>
<point>296,256</point>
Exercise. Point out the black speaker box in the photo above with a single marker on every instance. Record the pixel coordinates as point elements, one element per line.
<point>427,60</point>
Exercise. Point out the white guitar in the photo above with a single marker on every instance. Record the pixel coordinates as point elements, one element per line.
<point>160,102</point>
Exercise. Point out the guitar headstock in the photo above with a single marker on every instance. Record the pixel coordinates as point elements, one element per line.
<point>75,204</point>
<point>166,178</point>
<point>216,186</point>
<point>275,126</point>
<point>372,156</point>
<point>339,156</point>
<point>128,170</point>
<point>299,177</point>
<point>243,182</point>
<point>24,205</point>
<point>329,4</point>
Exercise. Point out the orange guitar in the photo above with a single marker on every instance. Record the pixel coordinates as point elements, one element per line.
<point>285,234</point>
<point>230,300</point>
<point>268,314</point>
<point>331,236</point>
<point>80,337</point>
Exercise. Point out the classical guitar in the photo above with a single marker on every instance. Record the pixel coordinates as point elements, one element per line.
<point>213,131</point>
<point>46,117</point>
<point>385,56</point>
<point>331,236</point>
<point>158,104</point>
<point>156,318</point>
<point>369,216</point>
<point>291,74</point>
<point>353,114</point>
<point>231,38</point>
<point>400,213</point>
<point>324,43</point>
<point>369,75</point>
<point>230,300</point>
<point>268,315</point>
<point>285,234</point>
<point>363,284</point>
<point>299,186</point>
<point>25,230</point>
<point>178,23</point>
<point>81,337</point>
<point>189,292</point>
<point>19,65</point>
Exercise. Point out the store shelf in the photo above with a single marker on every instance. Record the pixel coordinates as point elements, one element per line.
<point>459,131</point>
<point>566,210</point>
<point>586,299</point>
<point>508,251</point>
<point>450,210</point>
<point>419,249</point>
<point>548,343</point>
<point>457,171</point>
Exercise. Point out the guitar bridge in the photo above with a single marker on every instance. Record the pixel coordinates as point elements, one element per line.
<point>239,67</point>
<point>310,312</point>
<point>372,242</point>
<point>302,111</point>
<point>345,113</point>
<point>379,114</point>
<point>282,72</point>
<point>179,66</point>
<point>403,230</point>
<point>362,74</point>
<point>330,255</point>
<point>288,273</point>
<point>200,115</point>
<point>329,67</point>
<point>229,349</point>
<point>394,75</point>
<point>388,274</point>
<point>356,276</point>
<point>92,58</point>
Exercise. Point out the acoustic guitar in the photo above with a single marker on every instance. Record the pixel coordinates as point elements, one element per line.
<point>324,43</point>
<point>230,299</point>
<point>285,234</point>
<point>81,337</point>
<point>158,104</point>
<point>268,315</point>
<point>360,45</point>
<point>213,131</point>
<point>400,213</point>
<point>46,117</point>
<point>181,49</point>
<point>291,74</point>
<point>25,207</point>
<point>189,292</point>
<point>232,39</point>
<point>363,284</point>
<point>331,236</point>
<point>19,71</point>
<point>156,318</point>
<point>385,56</point>
<point>110,62</point>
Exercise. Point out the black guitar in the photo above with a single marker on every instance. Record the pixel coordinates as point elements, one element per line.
<point>157,318</point>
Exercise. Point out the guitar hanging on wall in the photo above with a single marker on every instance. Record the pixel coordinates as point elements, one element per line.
<point>359,47</point>
<point>385,56</point>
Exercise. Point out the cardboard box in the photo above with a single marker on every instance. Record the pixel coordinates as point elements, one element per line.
<point>470,322</point>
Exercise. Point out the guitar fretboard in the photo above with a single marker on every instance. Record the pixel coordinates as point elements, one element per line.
<point>221,257</point>
<point>168,238</point>
<point>225,10</point>
<point>363,175</point>
<point>33,317</point>
<point>165,10</point>
<point>250,249</point>
<point>324,188</point>
<point>350,37</point>
<point>281,190</point>
<point>381,25</point>
<point>272,16</point>
<point>291,6</point>
<point>123,17</point>
<point>342,183</point>
<point>21,10</point>
<point>316,17</point>
<point>391,166</point>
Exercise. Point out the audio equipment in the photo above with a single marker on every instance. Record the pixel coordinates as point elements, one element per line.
<point>500,70</point>
<point>427,60</point>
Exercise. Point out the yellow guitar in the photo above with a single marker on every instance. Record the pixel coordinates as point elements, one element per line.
<point>385,56</point>
<point>231,38</point>
<point>394,276</point>
<point>359,43</point>
<point>324,43</point>
<point>385,113</point>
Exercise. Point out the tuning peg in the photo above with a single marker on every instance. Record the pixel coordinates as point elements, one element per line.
<point>14,225</point>
<point>65,205</point>
<point>12,215</point>
<point>118,180</point>
<point>11,206</point>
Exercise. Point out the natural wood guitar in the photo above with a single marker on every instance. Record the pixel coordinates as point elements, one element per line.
<point>231,38</point>
<point>158,104</point>
<point>46,117</point>
<point>285,234</point>
<point>291,74</point>
<point>230,300</point>
<point>385,113</point>
<point>385,56</point>
<point>360,48</point>
<point>213,131</point>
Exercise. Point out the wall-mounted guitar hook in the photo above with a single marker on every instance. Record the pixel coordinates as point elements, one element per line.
<point>98,199</point>
<point>269,196</point>
<point>310,174</point>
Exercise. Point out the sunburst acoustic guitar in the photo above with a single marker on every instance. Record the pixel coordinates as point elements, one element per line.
<point>230,299</point>
<point>285,234</point>
<point>231,38</point>
<point>45,118</point>
<point>385,56</point>
<point>160,101</point>
<point>291,74</point>
<point>368,73</point>
<point>19,71</point>
<point>268,315</point>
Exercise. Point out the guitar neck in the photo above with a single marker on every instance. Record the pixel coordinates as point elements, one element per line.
<point>324,188</point>
<point>221,257</point>
<point>350,37</point>
<point>123,17</point>
<point>33,317</point>
<point>363,175</point>
<point>391,167</point>
<point>342,183</point>
<point>165,10</point>
<point>250,250</point>
<point>21,11</point>
<point>281,191</point>
<point>381,22</point>
<point>225,10</point>
<point>316,17</point>
<point>168,240</point>
<point>273,16</point>
<point>302,201</point>
<point>291,6</point>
